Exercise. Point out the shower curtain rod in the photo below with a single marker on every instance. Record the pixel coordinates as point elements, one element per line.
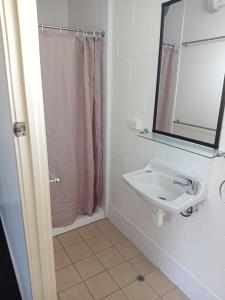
<point>83,31</point>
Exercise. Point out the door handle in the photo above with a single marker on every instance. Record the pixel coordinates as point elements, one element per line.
<point>53,179</point>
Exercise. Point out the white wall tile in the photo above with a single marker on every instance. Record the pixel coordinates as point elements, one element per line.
<point>215,212</point>
<point>124,14</point>
<point>196,243</point>
<point>150,99</point>
<point>211,274</point>
<point>193,164</point>
<point>122,71</point>
<point>147,151</point>
<point>146,11</point>
<point>124,44</point>
<point>146,119</point>
<point>155,37</point>
<point>191,287</point>
<point>132,97</point>
<point>128,144</point>
<point>142,41</point>
<point>144,69</point>
<point>212,245</point>
<point>160,152</point>
<point>216,178</point>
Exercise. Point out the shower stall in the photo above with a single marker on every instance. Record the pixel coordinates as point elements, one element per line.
<point>73,64</point>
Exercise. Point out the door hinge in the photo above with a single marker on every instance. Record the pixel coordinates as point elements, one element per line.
<point>19,129</point>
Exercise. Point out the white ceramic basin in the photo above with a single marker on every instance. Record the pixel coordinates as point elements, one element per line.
<point>155,184</point>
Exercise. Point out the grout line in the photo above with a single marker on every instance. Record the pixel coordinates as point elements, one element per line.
<point>103,237</point>
<point>73,287</point>
<point>58,241</point>
<point>56,270</point>
<point>75,284</point>
<point>88,290</point>
<point>154,288</point>
<point>126,260</point>
<point>92,275</point>
<point>65,265</point>
<point>77,243</point>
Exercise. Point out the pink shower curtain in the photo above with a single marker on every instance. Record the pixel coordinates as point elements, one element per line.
<point>72,75</point>
<point>167,89</point>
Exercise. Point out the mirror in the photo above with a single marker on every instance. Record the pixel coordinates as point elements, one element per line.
<point>190,92</point>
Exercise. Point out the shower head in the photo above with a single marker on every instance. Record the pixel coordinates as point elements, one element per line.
<point>215,5</point>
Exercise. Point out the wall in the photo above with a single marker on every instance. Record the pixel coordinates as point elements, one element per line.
<point>10,202</point>
<point>88,14</point>
<point>189,250</point>
<point>52,12</point>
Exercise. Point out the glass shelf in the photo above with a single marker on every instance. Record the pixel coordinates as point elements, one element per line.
<point>183,145</point>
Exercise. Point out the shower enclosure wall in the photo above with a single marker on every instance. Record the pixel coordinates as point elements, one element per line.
<point>89,15</point>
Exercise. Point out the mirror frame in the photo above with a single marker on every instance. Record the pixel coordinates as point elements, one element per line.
<point>222,104</point>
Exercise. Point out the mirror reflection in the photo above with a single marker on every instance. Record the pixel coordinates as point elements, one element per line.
<point>189,101</point>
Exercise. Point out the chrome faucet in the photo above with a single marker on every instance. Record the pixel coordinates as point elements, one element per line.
<point>188,183</point>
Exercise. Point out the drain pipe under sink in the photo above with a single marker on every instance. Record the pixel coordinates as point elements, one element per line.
<point>158,215</point>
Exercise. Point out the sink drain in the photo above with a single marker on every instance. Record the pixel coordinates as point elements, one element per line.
<point>162,198</point>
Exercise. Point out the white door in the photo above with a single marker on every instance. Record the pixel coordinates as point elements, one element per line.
<point>24,186</point>
<point>10,199</point>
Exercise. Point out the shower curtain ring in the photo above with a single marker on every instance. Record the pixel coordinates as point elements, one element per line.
<point>42,27</point>
<point>60,29</point>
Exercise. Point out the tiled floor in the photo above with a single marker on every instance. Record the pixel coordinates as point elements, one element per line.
<point>98,262</point>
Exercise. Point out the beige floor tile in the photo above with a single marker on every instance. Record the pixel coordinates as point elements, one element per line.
<point>101,285</point>
<point>89,231</point>
<point>110,257</point>
<point>66,278</point>
<point>78,292</point>
<point>70,238</point>
<point>123,274</point>
<point>56,244</point>
<point>78,252</point>
<point>89,267</point>
<point>105,225</point>
<point>142,265</point>
<point>128,250</point>
<point>159,282</point>
<point>98,243</point>
<point>139,291</point>
<point>115,236</point>
<point>175,294</point>
<point>119,295</point>
<point>61,259</point>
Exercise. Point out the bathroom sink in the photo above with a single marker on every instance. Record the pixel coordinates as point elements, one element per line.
<point>157,184</point>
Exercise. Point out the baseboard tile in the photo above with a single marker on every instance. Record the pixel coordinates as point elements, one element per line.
<point>180,276</point>
<point>80,221</point>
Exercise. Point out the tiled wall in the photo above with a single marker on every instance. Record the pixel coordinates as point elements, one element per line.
<point>191,251</point>
<point>57,16</point>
